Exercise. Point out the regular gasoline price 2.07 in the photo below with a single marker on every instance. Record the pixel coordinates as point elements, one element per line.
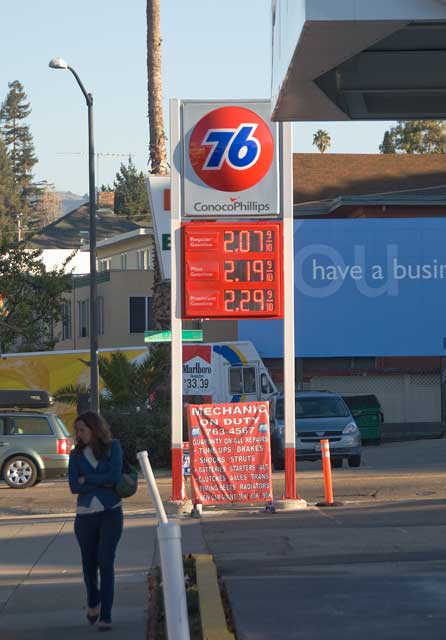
<point>232,270</point>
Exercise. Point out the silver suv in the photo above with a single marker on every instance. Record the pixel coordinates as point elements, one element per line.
<point>34,444</point>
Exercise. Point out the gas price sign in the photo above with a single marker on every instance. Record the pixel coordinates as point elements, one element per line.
<point>232,270</point>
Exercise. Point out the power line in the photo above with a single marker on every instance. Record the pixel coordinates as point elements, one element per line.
<point>98,155</point>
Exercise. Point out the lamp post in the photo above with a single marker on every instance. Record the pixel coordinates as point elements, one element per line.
<point>59,63</point>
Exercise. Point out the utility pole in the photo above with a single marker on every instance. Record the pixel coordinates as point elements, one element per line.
<point>19,226</point>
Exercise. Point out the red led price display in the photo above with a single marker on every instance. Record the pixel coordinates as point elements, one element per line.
<point>232,270</point>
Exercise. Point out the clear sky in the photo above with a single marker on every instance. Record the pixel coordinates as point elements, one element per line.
<point>212,49</point>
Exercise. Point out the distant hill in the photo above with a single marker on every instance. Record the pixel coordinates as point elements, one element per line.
<point>71,201</point>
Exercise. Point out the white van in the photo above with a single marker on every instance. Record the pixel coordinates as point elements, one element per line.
<point>225,372</point>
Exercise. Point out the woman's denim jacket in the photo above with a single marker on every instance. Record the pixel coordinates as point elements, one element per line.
<point>99,482</point>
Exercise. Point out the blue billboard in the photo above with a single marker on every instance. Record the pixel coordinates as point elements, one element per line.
<point>364,287</point>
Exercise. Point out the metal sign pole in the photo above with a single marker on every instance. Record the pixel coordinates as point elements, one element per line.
<point>175,313</point>
<point>286,174</point>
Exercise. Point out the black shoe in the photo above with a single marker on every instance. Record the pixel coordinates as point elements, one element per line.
<point>92,618</point>
<point>104,626</point>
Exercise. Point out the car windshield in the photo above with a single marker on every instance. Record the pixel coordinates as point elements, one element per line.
<point>316,407</point>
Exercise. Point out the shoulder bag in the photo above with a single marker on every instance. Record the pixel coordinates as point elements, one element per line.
<point>127,485</point>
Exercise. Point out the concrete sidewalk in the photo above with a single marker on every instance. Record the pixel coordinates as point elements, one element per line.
<point>42,595</point>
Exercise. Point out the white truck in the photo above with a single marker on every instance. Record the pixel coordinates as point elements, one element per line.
<point>225,372</point>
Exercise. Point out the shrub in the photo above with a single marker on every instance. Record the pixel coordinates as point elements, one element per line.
<point>139,431</point>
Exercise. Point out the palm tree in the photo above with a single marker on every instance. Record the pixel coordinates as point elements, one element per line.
<point>127,384</point>
<point>322,140</point>
<point>158,164</point>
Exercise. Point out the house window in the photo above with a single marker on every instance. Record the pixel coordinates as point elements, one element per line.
<point>143,261</point>
<point>140,314</point>
<point>66,320</point>
<point>105,264</point>
<point>83,315</point>
<point>124,261</point>
<point>100,315</point>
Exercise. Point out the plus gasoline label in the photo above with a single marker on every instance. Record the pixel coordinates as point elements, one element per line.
<point>231,149</point>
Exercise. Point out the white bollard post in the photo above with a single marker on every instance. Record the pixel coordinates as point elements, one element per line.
<point>143,458</point>
<point>169,539</point>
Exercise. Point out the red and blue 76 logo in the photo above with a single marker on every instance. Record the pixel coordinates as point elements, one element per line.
<point>231,149</point>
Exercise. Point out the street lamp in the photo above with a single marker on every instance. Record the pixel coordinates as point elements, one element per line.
<point>60,63</point>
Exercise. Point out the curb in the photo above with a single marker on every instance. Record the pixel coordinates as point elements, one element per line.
<point>71,515</point>
<point>213,620</point>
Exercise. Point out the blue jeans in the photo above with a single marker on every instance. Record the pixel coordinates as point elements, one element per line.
<point>98,535</point>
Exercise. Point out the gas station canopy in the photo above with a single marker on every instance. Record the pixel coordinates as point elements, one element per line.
<point>358,59</point>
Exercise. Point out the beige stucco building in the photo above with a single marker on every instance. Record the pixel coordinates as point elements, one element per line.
<point>124,293</point>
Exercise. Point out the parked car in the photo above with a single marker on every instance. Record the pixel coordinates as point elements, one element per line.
<point>34,444</point>
<point>368,415</point>
<point>319,415</point>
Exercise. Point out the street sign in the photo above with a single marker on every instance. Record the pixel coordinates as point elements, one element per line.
<point>232,270</point>
<point>230,160</point>
<point>188,335</point>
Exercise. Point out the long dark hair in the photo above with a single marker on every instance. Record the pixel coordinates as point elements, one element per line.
<point>100,434</point>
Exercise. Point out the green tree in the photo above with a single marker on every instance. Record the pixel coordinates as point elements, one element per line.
<point>133,383</point>
<point>388,144</point>
<point>19,142</point>
<point>31,298</point>
<point>127,384</point>
<point>322,140</point>
<point>9,196</point>
<point>415,136</point>
<point>131,197</point>
<point>127,387</point>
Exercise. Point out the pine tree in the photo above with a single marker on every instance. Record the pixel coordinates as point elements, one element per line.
<point>388,145</point>
<point>19,142</point>
<point>416,136</point>
<point>9,196</point>
<point>48,206</point>
<point>131,199</point>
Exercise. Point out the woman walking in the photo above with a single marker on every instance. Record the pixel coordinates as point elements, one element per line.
<point>94,468</point>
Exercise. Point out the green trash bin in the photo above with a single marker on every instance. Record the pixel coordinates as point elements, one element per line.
<point>368,415</point>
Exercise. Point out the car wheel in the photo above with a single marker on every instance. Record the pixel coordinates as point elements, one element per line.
<point>354,461</point>
<point>336,463</point>
<point>20,472</point>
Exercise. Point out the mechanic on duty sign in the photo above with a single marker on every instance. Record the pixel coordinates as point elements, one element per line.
<point>230,160</point>
<point>230,452</point>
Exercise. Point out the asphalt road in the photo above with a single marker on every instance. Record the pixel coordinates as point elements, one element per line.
<point>375,567</point>
<point>395,471</point>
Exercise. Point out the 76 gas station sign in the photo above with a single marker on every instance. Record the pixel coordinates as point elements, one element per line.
<point>230,161</point>
<point>231,232</point>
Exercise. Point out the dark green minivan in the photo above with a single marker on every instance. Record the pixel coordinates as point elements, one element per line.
<point>34,444</point>
<point>368,415</point>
